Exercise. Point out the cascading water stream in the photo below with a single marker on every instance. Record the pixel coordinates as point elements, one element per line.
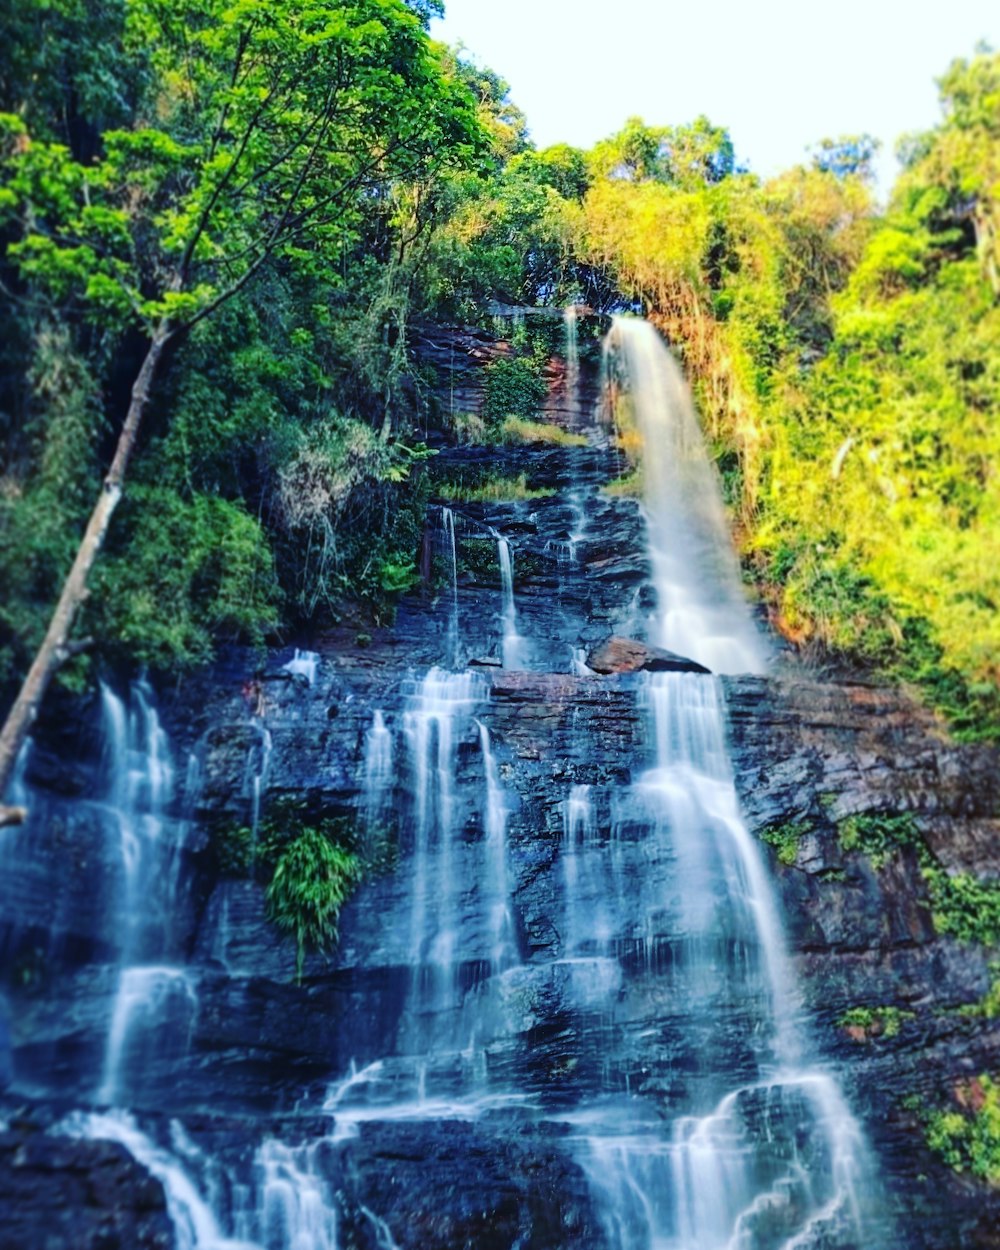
<point>140,783</point>
<point>496,885</point>
<point>376,797</point>
<point>304,664</point>
<point>451,555</point>
<point>571,329</point>
<point>701,610</point>
<point>774,1159</point>
<point>512,644</point>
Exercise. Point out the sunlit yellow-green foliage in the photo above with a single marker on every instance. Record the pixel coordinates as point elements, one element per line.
<point>847,367</point>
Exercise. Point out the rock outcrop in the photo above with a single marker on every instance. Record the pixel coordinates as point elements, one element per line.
<point>629,655</point>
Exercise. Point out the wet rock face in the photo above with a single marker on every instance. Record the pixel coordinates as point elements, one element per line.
<point>808,756</point>
<point>58,1194</point>
<point>491,1189</point>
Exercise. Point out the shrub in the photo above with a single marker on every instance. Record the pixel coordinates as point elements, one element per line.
<point>963,906</point>
<point>312,879</point>
<point>520,430</point>
<point>513,389</point>
<point>785,839</point>
<point>969,1139</point>
<point>868,1022</point>
<point>492,489</point>
<point>879,835</point>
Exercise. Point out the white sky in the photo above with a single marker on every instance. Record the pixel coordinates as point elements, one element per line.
<point>779,75</point>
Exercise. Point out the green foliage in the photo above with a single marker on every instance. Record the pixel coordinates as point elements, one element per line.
<point>875,1021</point>
<point>988,1007</point>
<point>513,389</point>
<point>850,156</point>
<point>685,155</point>
<point>478,556</point>
<point>264,190</point>
<point>252,141</point>
<point>969,1139</point>
<point>184,573</point>
<point>846,369</point>
<point>626,485</point>
<point>965,907</point>
<point>785,839</point>
<point>312,879</point>
<point>879,835</point>
<point>45,492</point>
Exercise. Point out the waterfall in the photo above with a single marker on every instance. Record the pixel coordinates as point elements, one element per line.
<point>439,707</point>
<point>762,1151</point>
<point>451,554</point>
<point>772,1157</point>
<point>257,772</point>
<point>158,999</point>
<point>701,610</point>
<point>304,664</point>
<point>287,1205</point>
<point>495,877</point>
<point>579,961</point>
<point>572,348</point>
<point>293,1205</point>
<point>17,790</point>
<point>376,794</point>
<point>512,644</point>
<point>195,1224</point>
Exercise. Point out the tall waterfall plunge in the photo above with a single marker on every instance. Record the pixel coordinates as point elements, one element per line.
<point>701,610</point>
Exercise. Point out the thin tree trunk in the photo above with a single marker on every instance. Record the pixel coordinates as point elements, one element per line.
<point>56,648</point>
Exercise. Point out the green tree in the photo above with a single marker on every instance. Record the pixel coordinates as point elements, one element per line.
<point>260,130</point>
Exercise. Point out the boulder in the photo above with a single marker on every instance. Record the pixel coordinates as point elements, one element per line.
<point>629,655</point>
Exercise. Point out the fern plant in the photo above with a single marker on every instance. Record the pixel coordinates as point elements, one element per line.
<point>312,879</point>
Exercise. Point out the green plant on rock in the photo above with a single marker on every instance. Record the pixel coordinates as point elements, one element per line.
<point>785,839</point>
<point>312,879</point>
<point>514,388</point>
<point>969,1139</point>
<point>965,907</point>
<point>233,849</point>
<point>880,836</point>
<point>478,556</point>
<point>627,486</point>
<point>864,1023</point>
<point>987,1007</point>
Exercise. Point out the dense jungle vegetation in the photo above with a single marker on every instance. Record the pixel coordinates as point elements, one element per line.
<point>272,195</point>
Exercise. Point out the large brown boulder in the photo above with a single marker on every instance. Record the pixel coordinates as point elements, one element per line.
<point>628,655</point>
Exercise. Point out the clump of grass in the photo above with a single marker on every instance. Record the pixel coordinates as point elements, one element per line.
<point>628,486</point>
<point>469,428</point>
<point>521,430</point>
<point>965,907</point>
<point>492,489</point>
